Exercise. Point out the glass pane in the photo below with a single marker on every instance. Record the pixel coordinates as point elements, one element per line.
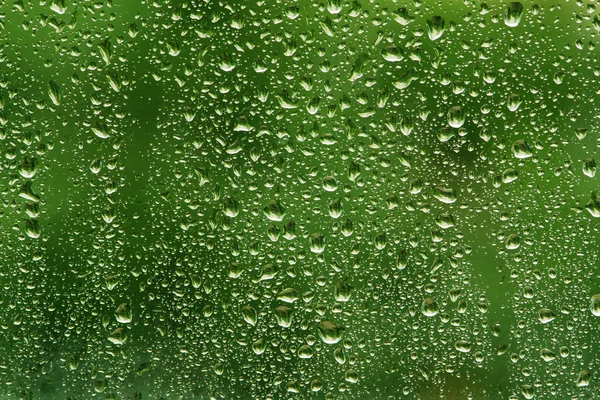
<point>338,199</point>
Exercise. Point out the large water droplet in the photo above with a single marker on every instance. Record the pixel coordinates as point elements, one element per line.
<point>429,307</point>
<point>595,305</point>
<point>456,116</point>
<point>545,315</point>
<point>513,14</point>
<point>329,332</point>
<point>436,27</point>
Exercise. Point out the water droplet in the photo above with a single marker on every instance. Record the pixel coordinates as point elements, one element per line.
<point>227,63</point>
<point>289,230</point>
<point>283,316</point>
<point>231,207</point>
<point>58,6</point>
<point>547,355</point>
<point>274,211</point>
<point>445,195</point>
<point>527,391</point>
<point>351,376</point>
<point>401,16</point>
<point>29,167</point>
<point>489,76</point>
<point>334,6</point>
<point>118,336</point>
<point>73,363</point>
<point>339,355</point>
<point>401,260</point>
<point>456,116</point>
<point>100,131</point>
<point>342,291</point>
<point>268,271</point>
<point>380,241</point>
<point>353,171</point>
<point>581,133</point>
<point>595,305</point>
<point>593,206</point>
<point>143,368</point>
<point>445,134</point>
<point>589,167</point>
<point>317,243</point>
<point>316,385</point>
<point>513,14</point>
<point>509,175</point>
<point>445,221</point>
<point>463,346</point>
<point>583,379</point>
<point>358,68</point>
<point>512,242</point>
<point>96,166</point>
<point>521,149</point>
<point>329,184</point>
<point>436,27</point>
<point>305,352</point>
<point>335,208</point>
<point>545,315</point>
<point>123,313</point>
<point>105,51</point>
<point>406,125</point>
<point>558,77</point>
<point>313,105</point>
<point>289,295</point>
<point>249,314</point>
<point>329,332</point>
<point>405,80</point>
<point>392,54</point>
<point>259,346</point>
<point>429,307</point>
<point>235,270</point>
<point>32,228</point>
<point>54,93</point>
<point>513,102</point>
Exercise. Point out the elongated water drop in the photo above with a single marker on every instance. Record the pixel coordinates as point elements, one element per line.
<point>342,291</point>
<point>456,116</point>
<point>513,102</point>
<point>249,314</point>
<point>595,305</point>
<point>513,14</point>
<point>123,313</point>
<point>283,316</point>
<point>436,27</point>
<point>54,93</point>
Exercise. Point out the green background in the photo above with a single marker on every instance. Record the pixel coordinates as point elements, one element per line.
<point>192,151</point>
